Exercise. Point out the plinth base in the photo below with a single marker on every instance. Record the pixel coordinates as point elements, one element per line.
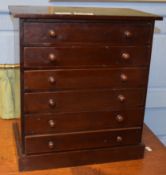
<point>75,158</point>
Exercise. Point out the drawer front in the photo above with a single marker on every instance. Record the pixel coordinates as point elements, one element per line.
<point>76,141</point>
<point>85,78</point>
<point>87,100</point>
<point>84,56</point>
<point>85,121</point>
<point>113,32</point>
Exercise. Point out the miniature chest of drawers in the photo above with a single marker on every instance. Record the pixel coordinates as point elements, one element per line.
<point>84,75</point>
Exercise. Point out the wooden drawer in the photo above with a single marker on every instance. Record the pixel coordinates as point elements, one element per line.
<point>81,140</point>
<point>81,32</point>
<point>85,78</point>
<point>83,100</point>
<point>85,121</point>
<point>86,56</point>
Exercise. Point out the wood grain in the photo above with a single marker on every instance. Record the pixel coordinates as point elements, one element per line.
<point>82,101</point>
<point>9,166</point>
<point>99,13</point>
<point>40,80</point>
<point>89,56</point>
<point>79,35</point>
<point>56,123</point>
<point>81,140</point>
<point>81,32</point>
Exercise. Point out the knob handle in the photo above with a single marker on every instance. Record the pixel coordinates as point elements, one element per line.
<point>52,33</point>
<point>125,56</point>
<point>119,139</point>
<point>51,144</point>
<point>121,98</point>
<point>52,57</point>
<point>123,77</point>
<point>128,34</point>
<point>51,102</point>
<point>51,123</point>
<point>51,79</point>
<point>119,118</point>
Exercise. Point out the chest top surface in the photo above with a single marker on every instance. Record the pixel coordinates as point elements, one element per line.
<point>80,13</point>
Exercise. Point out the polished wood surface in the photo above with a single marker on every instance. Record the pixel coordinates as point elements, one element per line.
<point>82,101</point>
<point>118,32</point>
<point>76,63</point>
<point>82,140</point>
<point>75,157</point>
<point>49,123</point>
<point>67,56</point>
<point>39,80</point>
<point>153,162</point>
<point>79,12</point>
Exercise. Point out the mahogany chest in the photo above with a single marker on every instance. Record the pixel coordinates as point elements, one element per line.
<point>84,76</point>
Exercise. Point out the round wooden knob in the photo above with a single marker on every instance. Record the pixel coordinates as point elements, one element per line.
<point>123,77</point>
<point>119,118</point>
<point>52,57</point>
<point>52,33</point>
<point>51,144</point>
<point>51,102</point>
<point>121,98</point>
<point>51,123</point>
<point>125,56</point>
<point>119,139</point>
<point>51,79</point>
<point>128,34</point>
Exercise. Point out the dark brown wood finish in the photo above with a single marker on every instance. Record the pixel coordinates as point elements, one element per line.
<point>80,32</point>
<point>84,79</point>
<point>8,164</point>
<point>77,157</point>
<point>81,101</point>
<point>86,56</point>
<point>74,122</point>
<point>42,12</point>
<point>81,140</point>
